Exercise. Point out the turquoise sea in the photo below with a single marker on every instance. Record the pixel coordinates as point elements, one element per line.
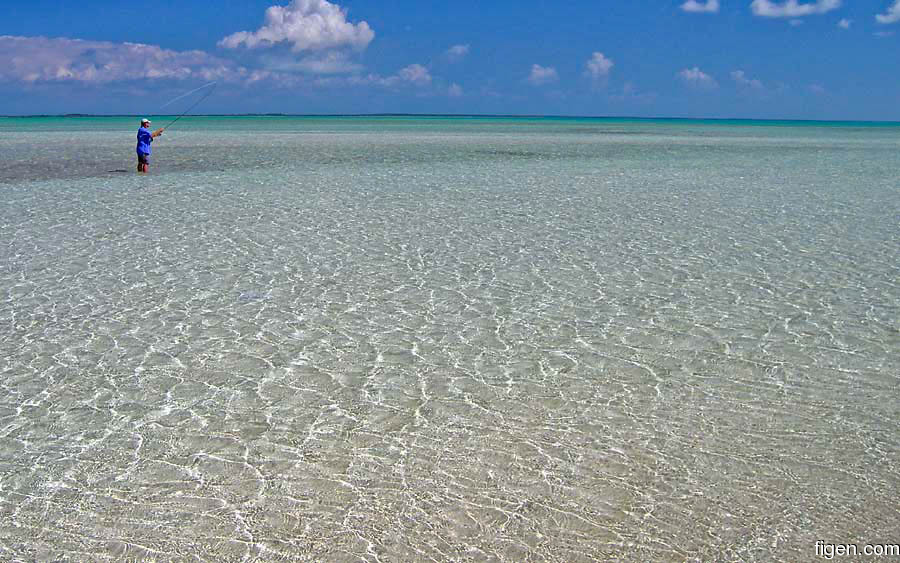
<point>448,339</point>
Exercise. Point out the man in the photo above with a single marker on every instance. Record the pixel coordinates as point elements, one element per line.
<point>144,138</point>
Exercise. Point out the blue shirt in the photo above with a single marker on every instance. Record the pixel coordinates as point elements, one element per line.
<point>144,138</point>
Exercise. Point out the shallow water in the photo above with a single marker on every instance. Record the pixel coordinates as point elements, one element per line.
<point>428,339</point>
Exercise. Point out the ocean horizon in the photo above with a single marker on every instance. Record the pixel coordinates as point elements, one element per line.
<point>611,118</point>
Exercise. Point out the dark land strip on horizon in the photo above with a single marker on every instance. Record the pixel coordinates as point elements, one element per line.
<point>729,120</point>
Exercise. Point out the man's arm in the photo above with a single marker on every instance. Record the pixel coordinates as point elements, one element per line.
<point>158,132</point>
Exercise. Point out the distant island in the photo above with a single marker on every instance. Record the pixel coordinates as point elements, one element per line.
<point>747,121</point>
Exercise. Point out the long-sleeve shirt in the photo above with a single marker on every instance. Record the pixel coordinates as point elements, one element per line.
<point>144,138</point>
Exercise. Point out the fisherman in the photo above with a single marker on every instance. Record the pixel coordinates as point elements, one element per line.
<point>144,138</point>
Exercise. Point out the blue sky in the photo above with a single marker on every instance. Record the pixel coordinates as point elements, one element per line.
<point>807,59</point>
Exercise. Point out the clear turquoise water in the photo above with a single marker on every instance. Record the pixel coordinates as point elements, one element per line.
<point>447,339</point>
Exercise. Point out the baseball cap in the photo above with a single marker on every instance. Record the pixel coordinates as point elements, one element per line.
<point>145,120</point>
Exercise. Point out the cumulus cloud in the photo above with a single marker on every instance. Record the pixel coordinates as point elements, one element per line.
<point>455,90</point>
<point>741,78</point>
<point>457,52</point>
<point>694,6</point>
<point>792,8</point>
<point>845,23</point>
<point>33,60</point>
<point>598,67</point>
<point>541,75</point>
<point>892,15</point>
<point>697,78</point>
<point>307,25</point>
<point>415,74</point>
<point>42,59</point>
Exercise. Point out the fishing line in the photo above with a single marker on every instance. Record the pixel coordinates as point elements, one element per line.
<point>195,104</point>
<point>172,101</point>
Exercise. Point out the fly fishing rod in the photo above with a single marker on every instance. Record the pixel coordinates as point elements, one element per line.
<point>195,104</point>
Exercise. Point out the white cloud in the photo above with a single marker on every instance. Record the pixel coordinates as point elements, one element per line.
<point>415,74</point>
<point>697,78</point>
<point>308,25</point>
<point>455,91</point>
<point>694,6</point>
<point>62,60</point>
<point>796,23</point>
<point>817,89</point>
<point>598,67</point>
<point>845,23</point>
<point>541,75</point>
<point>892,15</point>
<point>457,52</point>
<point>42,59</point>
<point>742,79</point>
<point>792,8</point>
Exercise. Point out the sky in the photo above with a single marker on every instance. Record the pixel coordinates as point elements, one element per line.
<point>768,59</point>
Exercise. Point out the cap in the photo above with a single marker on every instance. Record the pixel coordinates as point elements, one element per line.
<point>145,120</point>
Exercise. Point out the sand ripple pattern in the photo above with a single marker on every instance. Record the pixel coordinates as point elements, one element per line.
<point>454,346</point>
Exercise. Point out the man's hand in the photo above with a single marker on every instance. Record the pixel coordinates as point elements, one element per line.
<point>158,132</point>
